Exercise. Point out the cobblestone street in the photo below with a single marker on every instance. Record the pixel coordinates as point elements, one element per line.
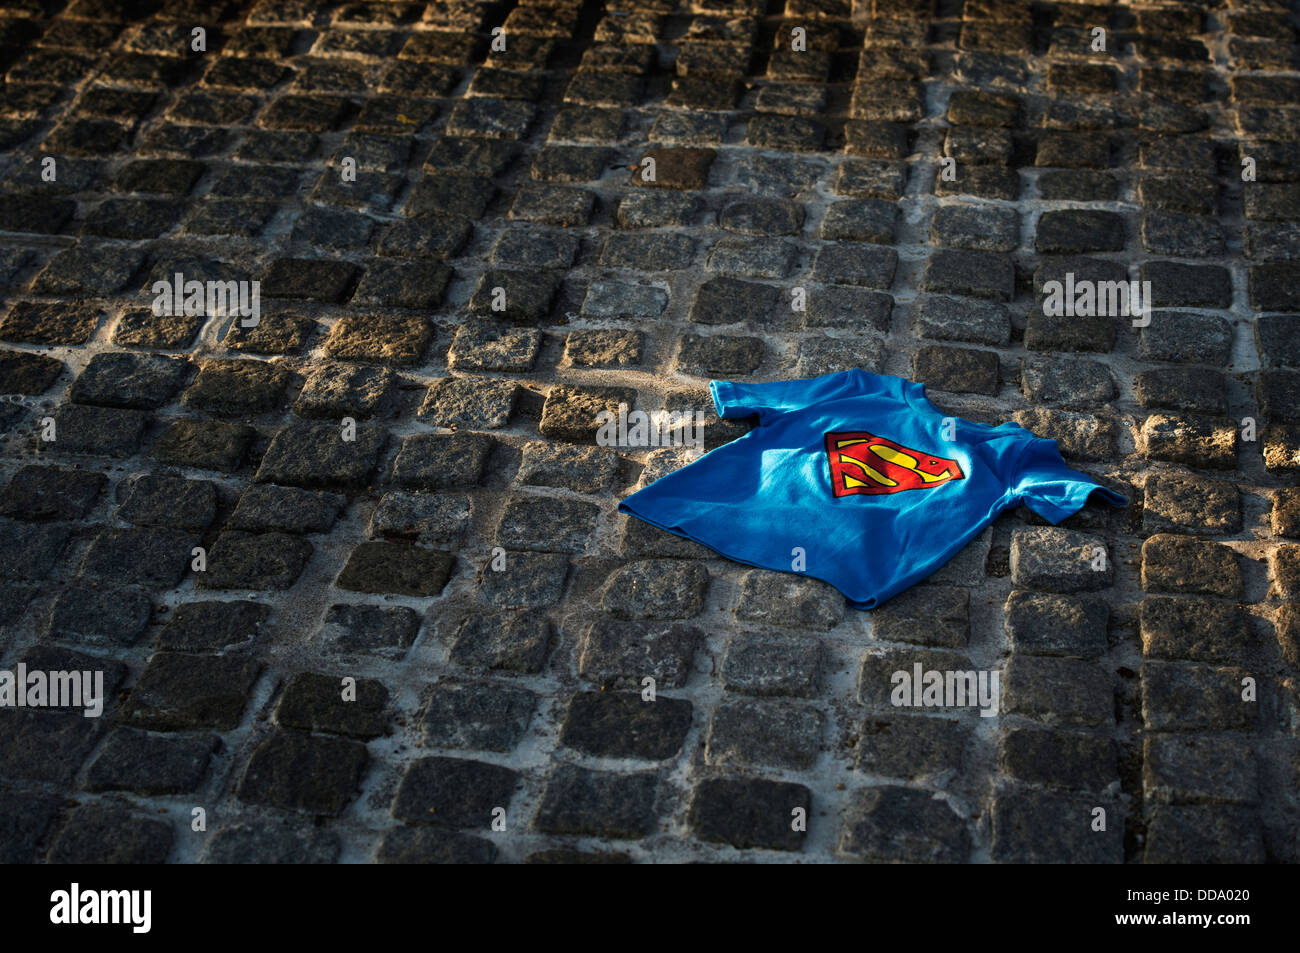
<point>477,225</point>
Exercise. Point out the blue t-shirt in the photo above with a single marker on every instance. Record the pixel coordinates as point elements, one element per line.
<point>862,475</point>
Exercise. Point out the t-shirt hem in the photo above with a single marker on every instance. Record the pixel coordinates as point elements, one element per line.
<point>1063,512</point>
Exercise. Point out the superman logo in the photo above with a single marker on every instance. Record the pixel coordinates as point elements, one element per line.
<point>864,463</point>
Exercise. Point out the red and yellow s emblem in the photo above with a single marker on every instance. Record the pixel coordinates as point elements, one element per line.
<point>864,463</point>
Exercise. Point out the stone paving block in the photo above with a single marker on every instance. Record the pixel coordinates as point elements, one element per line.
<point>580,469</point>
<point>519,295</point>
<point>1282,448</point>
<point>242,388</point>
<point>1065,760</point>
<point>1286,512</point>
<point>114,617</point>
<point>470,403</point>
<point>1059,691</point>
<point>454,792</point>
<point>379,339</point>
<point>748,732</point>
<point>1193,286</point>
<point>24,822</point>
<point>1184,565</point>
<point>787,601</point>
<point>338,391</point>
<point>1079,436</point>
<point>143,329</point>
<point>315,455</point>
<point>1037,827</point>
<point>417,845</point>
<point>1208,443</point>
<point>282,841</point>
<point>264,507</point>
<point>1183,503</point>
<point>911,747</point>
<point>13,601</point>
<point>212,626</point>
<point>980,229</point>
<point>441,461</point>
<point>313,279</point>
<point>431,520</point>
<point>1188,389</point>
<point>850,308</point>
<point>1284,571</point>
<point>310,774</point>
<point>543,524</point>
<point>1040,623</point>
<point>762,664</point>
<point>509,642</point>
<point>878,676</point>
<point>1275,337</point>
<point>491,346</point>
<point>1059,560</point>
<point>1076,383</point>
<point>372,630</point>
<point>818,356</point>
<point>941,318</point>
<point>179,692</point>
<point>111,834</point>
<point>524,579</point>
<point>1072,231</point>
<point>96,431</point>
<point>848,264</point>
<point>903,825</point>
<point>30,551</point>
<point>1277,392</point>
<point>395,568</point>
<point>925,615</point>
<point>1201,834</point>
<point>576,414</point>
<point>1177,769</point>
<point>624,725</point>
<point>614,654</point>
<point>607,347</point>
<point>208,445</point>
<point>749,813</point>
<point>957,369</point>
<point>39,493</point>
<point>485,715</point>
<point>1187,696</point>
<point>603,804</point>
<point>154,500</point>
<point>28,374</point>
<point>139,381</point>
<point>1287,626</point>
<point>149,764</point>
<point>77,271</point>
<point>1205,630</point>
<point>977,274</point>
<point>155,558</point>
<point>656,589</point>
<point>255,561</point>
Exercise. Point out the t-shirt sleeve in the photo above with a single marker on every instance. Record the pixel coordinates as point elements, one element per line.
<point>1050,488</point>
<point>734,399</point>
